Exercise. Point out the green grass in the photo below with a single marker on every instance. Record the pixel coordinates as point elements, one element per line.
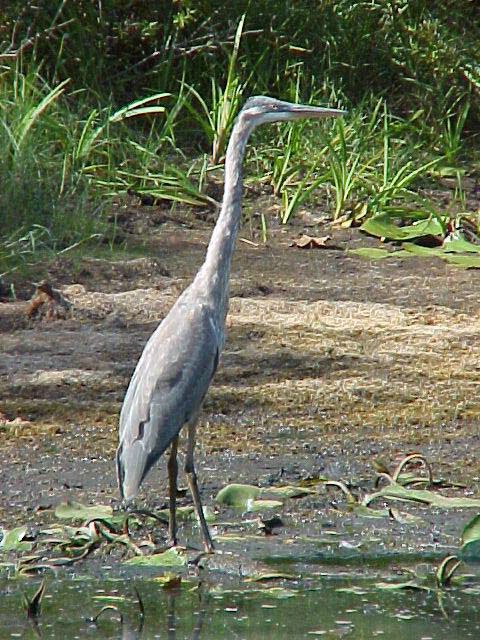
<point>144,117</point>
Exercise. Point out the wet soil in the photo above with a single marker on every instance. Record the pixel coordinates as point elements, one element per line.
<point>331,362</point>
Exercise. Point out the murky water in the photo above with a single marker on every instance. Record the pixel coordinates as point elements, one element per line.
<point>330,603</point>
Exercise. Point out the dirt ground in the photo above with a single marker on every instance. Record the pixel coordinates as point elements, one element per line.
<point>331,362</point>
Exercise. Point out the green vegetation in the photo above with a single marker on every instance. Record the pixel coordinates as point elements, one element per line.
<point>100,98</point>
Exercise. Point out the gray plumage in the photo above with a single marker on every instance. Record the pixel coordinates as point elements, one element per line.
<point>180,358</point>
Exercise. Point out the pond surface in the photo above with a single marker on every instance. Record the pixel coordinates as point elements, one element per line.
<point>331,601</point>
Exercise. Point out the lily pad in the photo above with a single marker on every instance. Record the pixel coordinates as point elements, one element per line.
<point>169,558</point>
<point>237,495</point>
<point>77,511</point>
<point>13,540</point>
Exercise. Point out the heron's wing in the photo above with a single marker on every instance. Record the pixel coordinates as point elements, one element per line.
<point>166,390</point>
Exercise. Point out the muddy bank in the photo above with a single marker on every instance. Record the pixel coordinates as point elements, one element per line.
<point>331,362</point>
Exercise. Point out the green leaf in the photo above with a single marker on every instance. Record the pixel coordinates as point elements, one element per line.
<point>460,245</point>
<point>397,492</point>
<point>13,540</point>
<point>446,569</point>
<point>77,511</point>
<point>237,495</point>
<point>471,540</point>
<point>169,558</point>
<point>366,512</point>
<point>265,577</point>
<point>471,531</point>
<point>183,513</point>
<point>404,518</point>
<point>289,491</point>
<point>464,262</point>
<point>418,250</point>
<point>383,226</point>
<point>262,505</point>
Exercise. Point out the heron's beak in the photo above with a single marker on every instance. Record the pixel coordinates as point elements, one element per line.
<point>308,111</point>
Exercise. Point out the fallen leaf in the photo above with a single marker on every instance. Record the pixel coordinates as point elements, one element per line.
<point>311,242</point>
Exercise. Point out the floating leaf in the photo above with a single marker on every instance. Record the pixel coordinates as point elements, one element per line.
<point>265,577</point>
<point>77,511</point>
<point>13,540</point>
<point>169,558</point>
<point>237,495</point>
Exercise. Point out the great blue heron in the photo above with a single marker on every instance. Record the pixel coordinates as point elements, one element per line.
<point>180,358</point>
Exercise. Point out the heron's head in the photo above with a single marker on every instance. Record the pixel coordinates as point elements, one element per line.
<point>262,109</point>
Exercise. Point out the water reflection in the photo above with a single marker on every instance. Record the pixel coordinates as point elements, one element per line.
<point>333,606</point>
<point>172,620</point>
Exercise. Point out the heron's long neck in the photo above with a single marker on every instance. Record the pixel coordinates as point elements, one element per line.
<point>215,271</point>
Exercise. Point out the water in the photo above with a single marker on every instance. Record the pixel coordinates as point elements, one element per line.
<point>327,604</point>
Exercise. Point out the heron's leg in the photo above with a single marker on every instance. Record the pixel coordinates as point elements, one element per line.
<point>172,488</point>
<point>192,483</point>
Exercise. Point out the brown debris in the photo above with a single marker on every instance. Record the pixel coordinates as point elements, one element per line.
<point>310,242</point>
<point>48,303</point>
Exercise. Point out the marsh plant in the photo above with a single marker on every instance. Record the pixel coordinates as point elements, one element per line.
<point>80,124</point>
